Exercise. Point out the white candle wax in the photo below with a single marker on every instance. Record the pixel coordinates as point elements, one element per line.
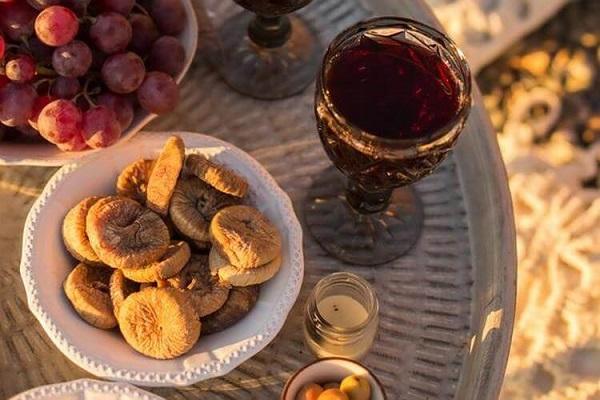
<point>342,311</point>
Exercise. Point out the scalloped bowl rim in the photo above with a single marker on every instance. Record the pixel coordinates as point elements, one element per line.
<point>48,155</point>
<point>237,352</point>
<point>86,387</point>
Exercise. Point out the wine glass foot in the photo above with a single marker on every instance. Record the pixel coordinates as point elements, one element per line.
<point>363,239</point>
<point>267,73</point>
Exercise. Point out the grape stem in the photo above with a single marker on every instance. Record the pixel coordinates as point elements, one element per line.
<point>25,42</point>
<point>76,97</point>
<point>88,18</point>
<point>41,70</point>
<point>141,8</point>
<point>86,93</point>
<point>37,84</point>
<point>11,46</point>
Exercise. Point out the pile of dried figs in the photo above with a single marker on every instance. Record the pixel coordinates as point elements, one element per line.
<point>175,254</point>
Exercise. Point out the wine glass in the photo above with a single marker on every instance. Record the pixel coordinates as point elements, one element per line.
<point>392,97</point>
<point>265,53</point>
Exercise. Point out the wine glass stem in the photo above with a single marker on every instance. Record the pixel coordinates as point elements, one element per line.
<point>365,201</point>
<point>270,32</point>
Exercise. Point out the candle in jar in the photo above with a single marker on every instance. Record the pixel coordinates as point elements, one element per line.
<point>341,317</point>
<point>342,311</point>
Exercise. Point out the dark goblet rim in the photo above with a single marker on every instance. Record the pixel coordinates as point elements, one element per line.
<point>448,44</point>
<point>303,3</point>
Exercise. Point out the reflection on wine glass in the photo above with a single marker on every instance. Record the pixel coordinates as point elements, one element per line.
<point>392,97</point>
<point>266,54</point>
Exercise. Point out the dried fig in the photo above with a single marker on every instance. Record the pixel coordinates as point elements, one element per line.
<point>207,293</point>
<point>217,176</point>
<point>74,234</point>
<point>245,237</point>
<point>120,287</point>
<point>164,175</point>
<point>147,285</point>
<point>170,226</point>
<point>87,289</point>
<point>242,276</point>
<point>177,255</point>
<point>162,283</point>
<point>133,180</point>
<point>240,302</point>
<point>100,203</point>
<point>193,205</point>
<point>159,322</point>
<point>125,234</point>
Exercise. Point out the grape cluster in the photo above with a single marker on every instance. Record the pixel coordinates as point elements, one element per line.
<point>74,72</point>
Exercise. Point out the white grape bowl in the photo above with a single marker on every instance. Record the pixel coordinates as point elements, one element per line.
<point>45,264</point>
<point>47,154</point>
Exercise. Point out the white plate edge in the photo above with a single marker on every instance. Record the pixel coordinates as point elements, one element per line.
<point>82,386</point>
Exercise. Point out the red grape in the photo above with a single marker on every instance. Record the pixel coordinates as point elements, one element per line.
<point>72,60</point>
<point>123,73</point>
<point>60,121</point>
<point>167,55</point>
<point>38,106</point>
<point>56,26</point>
<point>100,127</point>
<point>121,105</point>
<point>16,19</point>
<point>158,93</point>
<point>120,6</point>
<point>20,69</point>
<point>169,15</point>
<point>144,31</point>
<point>111,32</point>
<point>16,103</point>
<point>65,88</point>
<point>41,4</point>
<point>77,143</point>
<point>2,47</point>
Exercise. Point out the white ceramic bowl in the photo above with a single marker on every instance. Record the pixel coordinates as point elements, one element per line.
<point>47,154</point>
<point>330,370</point>
<point>86,389</point>
<point>45,265</point>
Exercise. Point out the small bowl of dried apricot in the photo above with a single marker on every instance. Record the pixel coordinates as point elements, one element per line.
<point>333,379</point>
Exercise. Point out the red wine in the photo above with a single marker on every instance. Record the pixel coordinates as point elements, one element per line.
<point>393,89</point>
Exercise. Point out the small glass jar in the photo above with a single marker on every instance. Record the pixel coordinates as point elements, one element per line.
<point>341,317</point>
